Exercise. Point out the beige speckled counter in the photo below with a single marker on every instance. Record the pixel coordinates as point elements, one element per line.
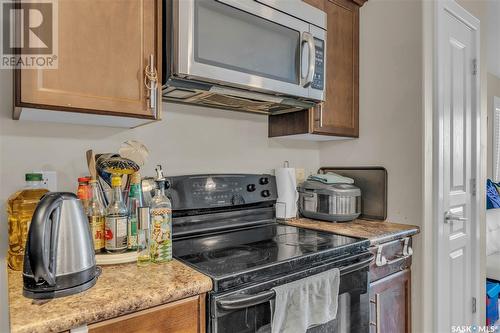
<point>377,232</point>
<point>120,289</point>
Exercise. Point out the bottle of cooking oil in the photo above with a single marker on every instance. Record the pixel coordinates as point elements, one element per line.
<point>160,242</point>
<point>96,215</point>
<point>20,208</point>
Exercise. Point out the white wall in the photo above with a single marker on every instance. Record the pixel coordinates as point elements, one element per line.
<point>390,114</point>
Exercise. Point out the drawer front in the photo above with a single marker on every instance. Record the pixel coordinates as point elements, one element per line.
<point>396,260</point>
<point>186,316</point>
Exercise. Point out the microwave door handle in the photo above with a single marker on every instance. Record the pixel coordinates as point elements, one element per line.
<point>245,301</point>
<point>308,39</point>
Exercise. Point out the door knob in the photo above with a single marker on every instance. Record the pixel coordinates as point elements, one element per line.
<point>449,216</point>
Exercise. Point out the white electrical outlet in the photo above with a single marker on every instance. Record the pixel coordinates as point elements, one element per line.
<point>49,180</point>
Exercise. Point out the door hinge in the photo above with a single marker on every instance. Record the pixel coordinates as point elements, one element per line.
<point>474,306</point>
<point>473,186</point>
<point>474,66</point>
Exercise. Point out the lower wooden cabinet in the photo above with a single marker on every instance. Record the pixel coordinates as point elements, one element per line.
<point>184,316</point>
<point>390,303</point>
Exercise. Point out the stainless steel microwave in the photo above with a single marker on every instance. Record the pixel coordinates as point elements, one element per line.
<point>250,55</point>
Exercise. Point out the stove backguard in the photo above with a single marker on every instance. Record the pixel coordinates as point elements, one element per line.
<point>203,203</point>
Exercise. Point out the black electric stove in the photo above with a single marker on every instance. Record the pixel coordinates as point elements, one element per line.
<point>225,227</point>
<point>236,258</point>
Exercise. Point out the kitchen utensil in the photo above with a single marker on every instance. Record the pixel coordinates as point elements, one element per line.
<point>373,184</point>
<point>134,151</point>
<point>91,164</point>
<point>59,258</point>
<point>103,174</point>
<point>330,202</point>
<point>118,165</point>
<point>148,188</point>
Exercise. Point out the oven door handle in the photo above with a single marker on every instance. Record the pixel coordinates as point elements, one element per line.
<point>356,266</point>
<point>245,301</point>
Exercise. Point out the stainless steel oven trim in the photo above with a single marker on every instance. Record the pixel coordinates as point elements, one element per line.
<point>186,66</point>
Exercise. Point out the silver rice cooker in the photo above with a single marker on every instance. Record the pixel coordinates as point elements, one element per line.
<point>330,202</point>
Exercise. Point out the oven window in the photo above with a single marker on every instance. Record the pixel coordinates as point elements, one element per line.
<point>233,39</point>
<point>248,320</point>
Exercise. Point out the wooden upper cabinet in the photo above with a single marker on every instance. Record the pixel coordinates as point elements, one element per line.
<point>338,115</point>
<point>104,47</point>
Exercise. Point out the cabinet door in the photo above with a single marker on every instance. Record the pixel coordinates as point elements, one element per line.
<point>104,47</point>
<point>184,316</point>
<point>339,114</point>
<point>390,301</point>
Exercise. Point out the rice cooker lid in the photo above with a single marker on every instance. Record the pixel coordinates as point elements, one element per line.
<point>344,190</point>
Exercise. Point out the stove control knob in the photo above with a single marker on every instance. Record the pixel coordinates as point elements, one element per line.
<point>237,200</point>
<point>264,181</point>
<point>251,187</point>
<point>265,193</point>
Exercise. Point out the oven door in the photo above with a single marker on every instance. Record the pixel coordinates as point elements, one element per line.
<point>249,45</point>
<point>249,310</point>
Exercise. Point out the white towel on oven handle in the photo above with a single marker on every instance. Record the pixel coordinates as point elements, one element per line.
<point>306,303</point>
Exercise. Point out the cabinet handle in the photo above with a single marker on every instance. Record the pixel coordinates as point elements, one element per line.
<point>377,313</point>
<point>381,260</point>
<point>320,107</point>
<point>151,83</point>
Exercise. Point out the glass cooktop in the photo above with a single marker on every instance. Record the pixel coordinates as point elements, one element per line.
<point>258,253</point>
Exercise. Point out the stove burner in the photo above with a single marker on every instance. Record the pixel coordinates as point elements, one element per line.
<point>238,254</point>
<point>294,239</point>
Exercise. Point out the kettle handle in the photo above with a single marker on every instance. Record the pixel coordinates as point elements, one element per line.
<point>43,235</point>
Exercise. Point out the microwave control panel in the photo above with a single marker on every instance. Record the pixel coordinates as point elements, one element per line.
<point>319,74</point>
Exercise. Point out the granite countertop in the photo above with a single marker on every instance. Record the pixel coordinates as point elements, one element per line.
<point>376,231</point>
<point>120,289</point>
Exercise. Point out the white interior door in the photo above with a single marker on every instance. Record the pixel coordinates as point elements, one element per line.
<point>457,136</point>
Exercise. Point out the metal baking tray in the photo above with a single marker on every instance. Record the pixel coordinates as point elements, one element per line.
<point>373,184</point>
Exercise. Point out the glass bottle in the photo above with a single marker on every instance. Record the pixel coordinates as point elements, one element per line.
<point>84,192</point>
<point>20,208</point>
<point>161,223</point>
<point>143,222</point>
<point>116,219</point>
<point>96,215</point>
<point>134,202</point>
